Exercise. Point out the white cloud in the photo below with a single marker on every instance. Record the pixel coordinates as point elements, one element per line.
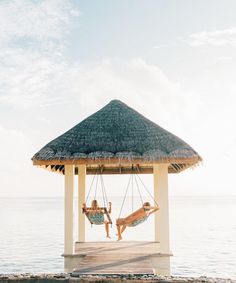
<point>143,86</point>
<point>31,43</point>
<point>32,79</point>
<point>38,81</point>
<point>38,20</point>
<point>224,37</point>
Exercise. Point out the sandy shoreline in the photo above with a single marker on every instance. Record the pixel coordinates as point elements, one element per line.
<point>62,277</point>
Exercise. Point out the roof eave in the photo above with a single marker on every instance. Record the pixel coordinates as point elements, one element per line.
<point>96,161</point>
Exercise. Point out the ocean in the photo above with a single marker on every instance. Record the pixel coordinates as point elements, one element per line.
<point>202,235</point>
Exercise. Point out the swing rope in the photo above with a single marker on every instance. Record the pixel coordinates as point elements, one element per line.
<point>132,186</point>
<point>125,196</point>
<point>147,190</point>
<point>141,199</point>
<point>90,189</point>
<point>103,189</point>
<point>95,195</point>
<point>105,193</point>
<point>134,177</point>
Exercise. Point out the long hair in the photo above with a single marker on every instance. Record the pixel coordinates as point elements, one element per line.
<point>94,205</point>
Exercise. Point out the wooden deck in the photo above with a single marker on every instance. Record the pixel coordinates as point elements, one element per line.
<point>115,257</point>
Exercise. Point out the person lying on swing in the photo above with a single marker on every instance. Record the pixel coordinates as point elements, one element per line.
<point>95,215</point>
<point>134,219</point>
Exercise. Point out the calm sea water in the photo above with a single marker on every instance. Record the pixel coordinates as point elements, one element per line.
<point>203,235</point>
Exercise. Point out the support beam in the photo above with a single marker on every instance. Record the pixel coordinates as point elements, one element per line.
<point>81,200</point>
<point>68,206</point>
<point>162,216</point>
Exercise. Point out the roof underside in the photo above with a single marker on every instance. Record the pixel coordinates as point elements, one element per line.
<point>122,169</point>
<point>113,140</point>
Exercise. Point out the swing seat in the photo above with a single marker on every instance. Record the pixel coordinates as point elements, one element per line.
<point>137,222</point>
<point>98,217</point>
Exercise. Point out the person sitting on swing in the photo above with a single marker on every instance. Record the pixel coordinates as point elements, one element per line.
<point>95,215</point>
<point>137,217</point>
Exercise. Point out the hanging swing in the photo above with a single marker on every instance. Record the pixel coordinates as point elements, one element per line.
<point>139,216</point>
<point>94,213</point>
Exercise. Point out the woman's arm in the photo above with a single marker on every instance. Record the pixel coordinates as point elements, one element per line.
<point>153,209</point>
<point>84,208</point>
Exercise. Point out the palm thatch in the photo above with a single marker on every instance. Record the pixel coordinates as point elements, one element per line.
<point>116,138</point>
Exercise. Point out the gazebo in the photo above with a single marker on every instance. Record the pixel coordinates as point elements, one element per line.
<point>112,141</point>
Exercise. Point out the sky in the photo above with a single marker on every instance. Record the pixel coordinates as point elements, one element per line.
<point>173,61</point>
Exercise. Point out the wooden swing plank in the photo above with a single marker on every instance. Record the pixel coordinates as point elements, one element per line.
<point>99,208</point>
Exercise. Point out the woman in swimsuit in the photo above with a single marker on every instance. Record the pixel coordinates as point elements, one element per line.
<point>96,215</point>
<point>135,218</point>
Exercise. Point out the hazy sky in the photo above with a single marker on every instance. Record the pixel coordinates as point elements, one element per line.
<point>173,61</point>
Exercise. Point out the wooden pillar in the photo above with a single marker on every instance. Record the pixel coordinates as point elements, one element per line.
<point>81,200</point>
<point>160,172</point>
<point>68,206</point>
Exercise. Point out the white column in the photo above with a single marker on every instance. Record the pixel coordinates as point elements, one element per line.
<point>68,217</point>
<point>160,172</point>
<point>81,200</point>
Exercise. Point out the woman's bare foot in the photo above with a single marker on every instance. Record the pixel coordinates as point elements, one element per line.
<point>108,237</point>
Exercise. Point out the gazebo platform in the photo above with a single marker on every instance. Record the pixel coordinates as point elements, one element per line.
<point>117,258</point>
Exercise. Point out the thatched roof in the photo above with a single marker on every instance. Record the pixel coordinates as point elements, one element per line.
<point>117,137</point>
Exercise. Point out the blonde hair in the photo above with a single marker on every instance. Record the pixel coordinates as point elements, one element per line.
<point>94,204</point>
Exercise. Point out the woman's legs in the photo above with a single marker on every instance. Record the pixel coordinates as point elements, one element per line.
<point>118,232</point>
<point>107,228</point>
<point>123,228</point>
<point>121,225</point>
